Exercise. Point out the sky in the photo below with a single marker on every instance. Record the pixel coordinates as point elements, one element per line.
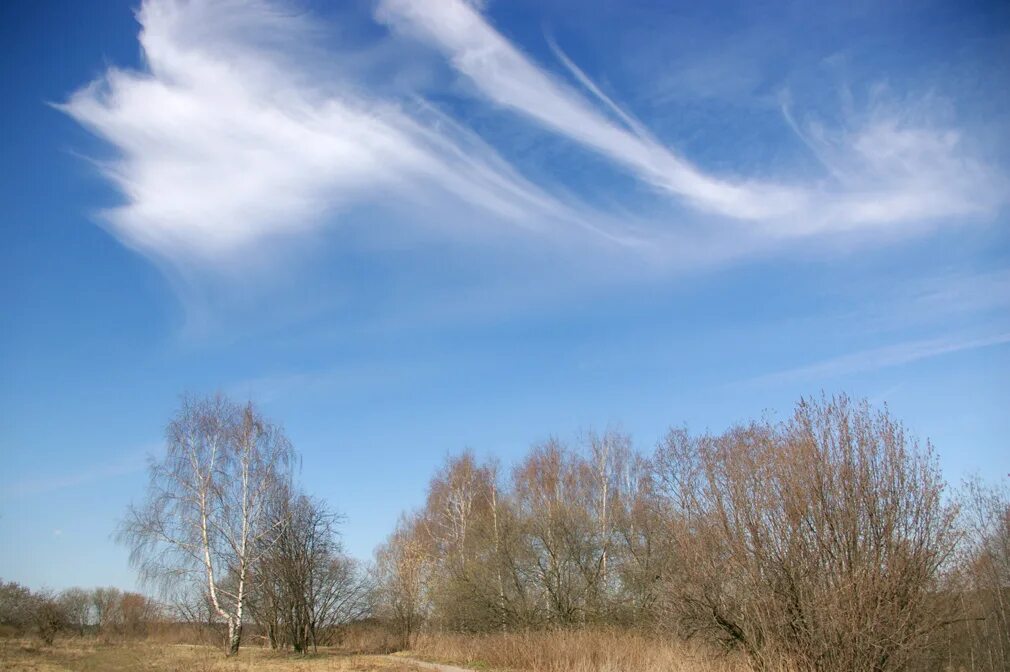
<point>406,228</point>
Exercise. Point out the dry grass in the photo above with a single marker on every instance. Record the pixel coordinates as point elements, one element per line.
<point>591,650</point>
<point>83,655</point>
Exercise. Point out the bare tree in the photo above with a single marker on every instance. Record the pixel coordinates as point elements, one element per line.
<point>205,513</point>
<point>404,570</point>
<point>643,547</point>
<point>105,606</point>
<point>552,548</point>
<point>77,608</point>
<point>190,603</point>
<point>17,605</point>
<point>137,612</point>
<point>982,585</point>
<point>47,615</point>
<point>557,496</point>
<point>307,587</point>
<point>821,541</point>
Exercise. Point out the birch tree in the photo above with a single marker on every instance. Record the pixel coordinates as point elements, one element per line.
<point>403,571</point>
<point>205,514</point>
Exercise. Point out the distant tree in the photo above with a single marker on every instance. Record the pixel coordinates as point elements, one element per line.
<point>457,529</point>
<point>205,515</point>
<point>642,549</point>
<point>48,616</point>
<point>137,613</point>
<point>105,607</point>
<point>573,540</point>
<point>190,603</point>
<point>983,581</point>
<point>17,604</point>
<point>77,608</point>
<point>404,571</point>
<point>24,610</point>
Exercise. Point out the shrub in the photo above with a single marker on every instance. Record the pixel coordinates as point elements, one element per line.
<point>820,541</point>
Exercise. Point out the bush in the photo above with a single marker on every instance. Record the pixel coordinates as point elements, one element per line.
<point>48,616</point>
<point>820,541</point>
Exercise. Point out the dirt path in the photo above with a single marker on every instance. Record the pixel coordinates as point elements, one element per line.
<point>437,667</point>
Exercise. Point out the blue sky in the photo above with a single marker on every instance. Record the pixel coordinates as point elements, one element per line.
<point>408,228</point>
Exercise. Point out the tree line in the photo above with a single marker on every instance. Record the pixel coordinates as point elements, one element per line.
<point>829,541</point>
<point>106,612</point>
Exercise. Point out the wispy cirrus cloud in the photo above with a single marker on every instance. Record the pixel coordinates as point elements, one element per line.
<point>885,168</point>
<point>237,132</point>
<point>881,358</point>
<point>245,129</point>
<point>128,463</point>
<point>503,74</point>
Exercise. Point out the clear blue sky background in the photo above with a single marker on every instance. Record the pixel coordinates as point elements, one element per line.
<point>405,229</point>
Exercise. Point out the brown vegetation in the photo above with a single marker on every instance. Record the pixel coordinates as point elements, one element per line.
<point>828,542</point>
<point>825,543</point>
<point>579,650</point>
<point>89,655</point>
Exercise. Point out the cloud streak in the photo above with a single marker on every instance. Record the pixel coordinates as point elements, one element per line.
<point>233,136</point>
<point>128,464</point>
<point>507,77</point>
<point>243,130</point>
<point>886,171</point>
<point>881,358</point>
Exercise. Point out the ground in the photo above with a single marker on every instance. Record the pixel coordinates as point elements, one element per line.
<point>90,656</point>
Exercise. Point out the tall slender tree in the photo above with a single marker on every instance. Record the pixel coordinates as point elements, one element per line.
<point>205,514</point>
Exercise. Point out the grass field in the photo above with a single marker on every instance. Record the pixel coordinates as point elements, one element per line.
<point>589,650</point>
<point>598,650</point>
<point>82,655</point>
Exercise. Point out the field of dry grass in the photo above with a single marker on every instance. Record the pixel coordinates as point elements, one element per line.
<point>83,655</point>
<point>595,650</point>
<point>591,650</point>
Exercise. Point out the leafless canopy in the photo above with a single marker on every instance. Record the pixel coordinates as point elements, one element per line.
<point>306,588</point>
<point>205,515</point>
<point>825,542</point>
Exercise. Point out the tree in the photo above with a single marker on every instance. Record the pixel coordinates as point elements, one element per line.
<point>306,585</point>
<point>137,612</point>
<point>569,542</point>
<point>105,606</point>
<point>76,606</point>
<point>558,500</point>
<point>460,529</point>
<point>205,515</point>
<point>17,605</point>
<point>984,580</point>
<point>642,548</point>
<point>404,572</point>
<point>821,541</point>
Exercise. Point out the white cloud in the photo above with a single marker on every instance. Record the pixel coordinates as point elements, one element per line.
<point>242,130</point>
<point>231,136</point>
<point>507,77</point>
<point>886,171</point>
